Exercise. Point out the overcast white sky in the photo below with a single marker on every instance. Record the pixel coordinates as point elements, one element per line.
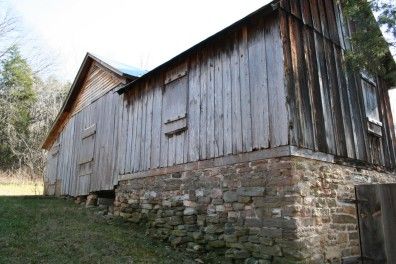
<point>140,33</point>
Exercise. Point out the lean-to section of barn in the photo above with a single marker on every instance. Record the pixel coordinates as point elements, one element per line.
<point>83,142</point>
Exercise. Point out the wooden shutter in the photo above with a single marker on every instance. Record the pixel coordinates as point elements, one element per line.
<point>370,100</point>
<point>175,101</point>
<point>87,150</point>
<point>374,125</point>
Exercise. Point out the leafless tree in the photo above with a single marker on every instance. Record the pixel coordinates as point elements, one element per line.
<point>27,148</point>
<point>8,32</point>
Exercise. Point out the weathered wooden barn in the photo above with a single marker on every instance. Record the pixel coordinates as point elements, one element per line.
<point>82,144</point>
<point>261,126</point>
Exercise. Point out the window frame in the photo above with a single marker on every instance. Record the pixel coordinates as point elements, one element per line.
<point>370,90</point>
<point>175,92</point>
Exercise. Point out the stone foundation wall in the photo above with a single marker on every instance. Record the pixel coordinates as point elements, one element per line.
<point>281,210</point>
<point>329,222</point>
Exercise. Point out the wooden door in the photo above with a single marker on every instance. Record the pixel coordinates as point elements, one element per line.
<point>86,159</point>
<point>376,206</point>
<point>51,170</point>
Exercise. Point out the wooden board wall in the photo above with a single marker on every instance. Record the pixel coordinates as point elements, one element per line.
<point>377,226</point>
<point>326,105</point>
<point>68,166</point>
<point>97,83</point>
<point>236,103</point>
<point>51,170</point>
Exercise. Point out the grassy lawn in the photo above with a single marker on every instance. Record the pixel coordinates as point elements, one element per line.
<point>49,230</point>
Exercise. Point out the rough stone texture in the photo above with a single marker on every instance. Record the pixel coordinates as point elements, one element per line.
<point>283,210</point>
<point>80,199</point>
<point>327,222</point>
<point>91,200</point>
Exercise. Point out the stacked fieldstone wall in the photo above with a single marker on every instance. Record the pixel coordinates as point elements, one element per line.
<point>329,221</point>
<point>281,210</point>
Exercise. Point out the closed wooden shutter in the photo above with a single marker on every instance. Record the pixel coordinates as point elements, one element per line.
<point>87,150</point>
<point>370,100</point>
<point>175,101</point>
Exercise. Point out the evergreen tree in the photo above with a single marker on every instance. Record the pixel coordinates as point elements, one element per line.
<point>370,50</point>
<point>17,98</point>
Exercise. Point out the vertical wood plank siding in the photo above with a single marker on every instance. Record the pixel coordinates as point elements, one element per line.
<point>325,100</point>
<point>98,82</point>
<point>233,87</point>
<point>101,172</point>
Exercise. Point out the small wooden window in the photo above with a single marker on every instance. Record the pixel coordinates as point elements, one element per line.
<point>175,101</point>
<point>370,96</point>
<point>370,100</point>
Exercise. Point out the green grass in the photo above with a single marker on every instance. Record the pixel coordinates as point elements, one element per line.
<point>49,230</point>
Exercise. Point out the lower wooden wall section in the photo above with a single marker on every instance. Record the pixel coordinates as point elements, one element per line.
<point>84,157</point>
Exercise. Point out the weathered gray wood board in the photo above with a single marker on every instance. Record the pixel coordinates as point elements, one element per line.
<point>326,103</point>
<point>377,222</point>
<point>84,158</point>
<point>231,94</point>
<point>52,169</point>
